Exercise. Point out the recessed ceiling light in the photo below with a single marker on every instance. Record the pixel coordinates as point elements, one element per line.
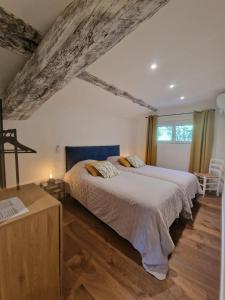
<point>182,98</point>
<point>154,66</point>
<point>171,86</point>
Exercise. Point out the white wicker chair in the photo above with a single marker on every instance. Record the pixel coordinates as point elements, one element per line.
<point>214,180</point>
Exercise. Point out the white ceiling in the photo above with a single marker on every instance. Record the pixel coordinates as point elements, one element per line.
<point>10,64</point>
<point>185,38</point>
<point>38,13</point>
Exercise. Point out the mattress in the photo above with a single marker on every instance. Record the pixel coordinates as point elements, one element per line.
<point>138,208</point>
<point>186,181</point>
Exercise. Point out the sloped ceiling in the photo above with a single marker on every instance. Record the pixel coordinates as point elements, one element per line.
<point>185,38</point>
<point>187,41</point>
<point>40,14</point>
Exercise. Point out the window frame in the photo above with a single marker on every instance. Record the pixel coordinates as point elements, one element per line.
<point>173,124</point>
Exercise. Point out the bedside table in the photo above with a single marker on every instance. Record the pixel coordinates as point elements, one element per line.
<point>56,189</point>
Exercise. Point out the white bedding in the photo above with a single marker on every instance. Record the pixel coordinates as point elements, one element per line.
<point>138,208</point>
<point>186,181</point>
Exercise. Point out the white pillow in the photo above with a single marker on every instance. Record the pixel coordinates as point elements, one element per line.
<point>106,169</point>
<point>114,159</point>
<point>135,161</point>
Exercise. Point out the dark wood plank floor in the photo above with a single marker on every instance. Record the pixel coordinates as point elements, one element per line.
<point>98,264</point>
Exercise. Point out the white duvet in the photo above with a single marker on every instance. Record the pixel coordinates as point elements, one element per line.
<point>139,208</point>
<point>186,181</point>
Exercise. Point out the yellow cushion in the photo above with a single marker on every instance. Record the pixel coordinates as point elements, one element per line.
<point>124,162</point>
<point>92,170</point>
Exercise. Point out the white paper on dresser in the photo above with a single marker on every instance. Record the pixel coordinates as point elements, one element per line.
<point>11,207</point>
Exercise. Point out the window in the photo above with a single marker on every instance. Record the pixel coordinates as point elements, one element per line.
<point>175,133</point>
<point>184,133</point>
<point>165,133</point>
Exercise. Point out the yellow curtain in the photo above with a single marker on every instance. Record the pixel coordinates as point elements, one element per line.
<point>151,150</point>
<point>202,141</point>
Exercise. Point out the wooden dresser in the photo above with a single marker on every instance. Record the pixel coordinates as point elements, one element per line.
<point>30,247</point>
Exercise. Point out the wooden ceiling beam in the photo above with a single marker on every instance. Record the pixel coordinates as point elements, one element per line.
<point>114,90</point>
<point>16,30</point>
<point>85,30</point>
<point>16,35</point>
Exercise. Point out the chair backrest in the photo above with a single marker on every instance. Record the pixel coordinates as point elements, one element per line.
<point>217,167</point>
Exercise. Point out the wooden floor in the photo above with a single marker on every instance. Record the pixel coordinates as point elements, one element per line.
<point>98,264</point>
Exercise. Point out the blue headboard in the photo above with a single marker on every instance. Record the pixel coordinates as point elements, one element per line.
<point>76,154</point>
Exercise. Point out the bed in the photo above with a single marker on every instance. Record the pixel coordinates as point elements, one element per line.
<point>139,208</point>
<point>187,182</point>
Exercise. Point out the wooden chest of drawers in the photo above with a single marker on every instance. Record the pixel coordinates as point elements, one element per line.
<point>30,247</point>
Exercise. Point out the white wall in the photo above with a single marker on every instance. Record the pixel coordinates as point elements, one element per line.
<point>172,155</point>
<point>219,144</point>
<point>140,136</point>
<point>176,156</point>
<point>80,114</point>
<point>222,272</point>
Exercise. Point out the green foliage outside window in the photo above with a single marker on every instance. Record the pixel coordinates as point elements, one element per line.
<point>184,133</point>
<point>175,133</point>
<point>165,133</point>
